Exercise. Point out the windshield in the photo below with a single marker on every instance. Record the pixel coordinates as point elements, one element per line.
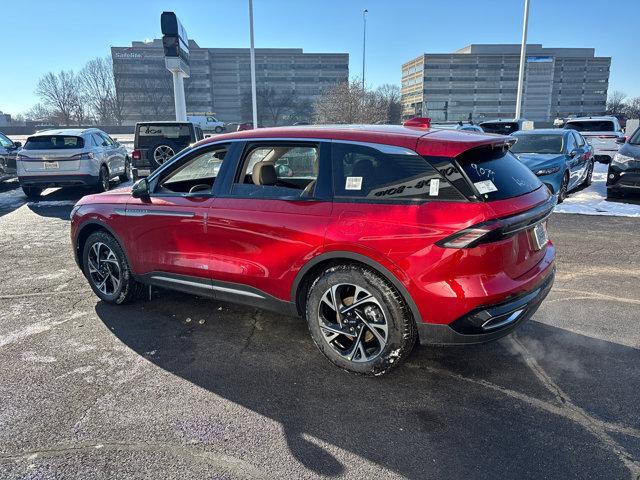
<point>538,143</point>
<point>53,142</point>
<point>592,126</point>
<point>502,128</point>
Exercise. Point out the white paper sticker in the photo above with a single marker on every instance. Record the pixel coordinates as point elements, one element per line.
<point>434,187</point>
<point>485,186</point>
<point>353,183</point>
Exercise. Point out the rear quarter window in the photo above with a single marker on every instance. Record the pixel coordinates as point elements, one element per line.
<point>497,174</point>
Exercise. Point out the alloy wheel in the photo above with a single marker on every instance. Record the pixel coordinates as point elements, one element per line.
<point>104,268</point>
<point>353,322</point>
<point>162,153</point>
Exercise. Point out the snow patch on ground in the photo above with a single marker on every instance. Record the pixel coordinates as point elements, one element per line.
<point>593,200</point>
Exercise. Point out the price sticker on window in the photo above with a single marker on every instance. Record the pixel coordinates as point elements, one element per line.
<point>353,183</point>
<point>434,187</point>
<point>486,186</point>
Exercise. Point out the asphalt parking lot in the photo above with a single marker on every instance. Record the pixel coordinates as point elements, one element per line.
<point>182,387</point>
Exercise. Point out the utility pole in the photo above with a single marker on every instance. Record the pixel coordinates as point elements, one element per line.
<point>364,42</point>
<point>252,54</point>
<point>523,59</point>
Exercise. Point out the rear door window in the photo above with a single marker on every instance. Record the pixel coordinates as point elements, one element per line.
<point>53,142</point>
<point>496,174</point>
<point>592,126</point>
<point>363,173</point>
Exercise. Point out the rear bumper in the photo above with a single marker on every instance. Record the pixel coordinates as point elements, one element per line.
<point>489,322</point>
<point>46,181</point>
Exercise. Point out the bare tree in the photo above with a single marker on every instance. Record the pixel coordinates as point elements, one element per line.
<point>119,99</point>
<point>97,88</point>
<point>390,98</point>
<point>632,108</point>
<point>40,114</point>
<point>59,93</point>
<point>157,91</point>
<point>350,103</point>
<point>616,102</point>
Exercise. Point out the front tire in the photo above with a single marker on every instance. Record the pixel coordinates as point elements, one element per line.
<point>32,193</point>
<point>359,321</point>
<point>218,129</point>
<point>105,266</point>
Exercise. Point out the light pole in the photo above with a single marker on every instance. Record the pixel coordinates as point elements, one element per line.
<point>252,54</point>
<point>364,42</point>
<point>523,59</point>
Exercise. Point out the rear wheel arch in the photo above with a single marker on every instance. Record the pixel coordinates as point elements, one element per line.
<point>314,267</point>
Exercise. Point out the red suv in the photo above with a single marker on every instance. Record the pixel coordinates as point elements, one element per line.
<point>376,234</point>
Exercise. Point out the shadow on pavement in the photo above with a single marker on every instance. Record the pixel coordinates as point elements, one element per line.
<point>11,196</point>
<point>447,412</point>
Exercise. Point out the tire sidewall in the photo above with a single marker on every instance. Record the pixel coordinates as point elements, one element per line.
<point>120,295</point>
<point>395,313</point>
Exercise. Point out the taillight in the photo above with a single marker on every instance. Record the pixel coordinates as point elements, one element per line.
<point>136,155</point>
<point>499,229</point>
<point>472,236</point>
<point>82,156</point>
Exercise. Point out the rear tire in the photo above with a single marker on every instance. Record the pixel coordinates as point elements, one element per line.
<point>32,193</point>
<point>160,152</point>
<point>127,175</point>
<point>378,334</point>
<point>589,178</point>
<point>103,180</point>
<point>218,129</point>
<point>103,260</point>
<point>564,186</point>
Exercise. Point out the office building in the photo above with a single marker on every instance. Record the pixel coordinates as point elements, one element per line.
<point>479,82</point>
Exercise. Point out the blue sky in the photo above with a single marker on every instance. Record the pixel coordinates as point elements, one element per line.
<point>44,36</point>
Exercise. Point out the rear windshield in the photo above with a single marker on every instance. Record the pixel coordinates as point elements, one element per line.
<point>497,174</point>
<point>635,138</point>
<point>502,128</point>
<point>149,133</point>
<point>53,142</point>
<point>538,143</point>
<point>592,126</point>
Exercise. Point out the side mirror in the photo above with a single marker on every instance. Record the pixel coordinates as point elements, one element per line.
<point>621,140</point>
<point>140,189</point>
<point>17,144</point>
<point>572,153</point>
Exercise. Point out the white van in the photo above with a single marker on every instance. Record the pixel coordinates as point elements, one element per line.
<point>207,122</point>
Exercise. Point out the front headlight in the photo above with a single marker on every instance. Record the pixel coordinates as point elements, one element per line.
<point>622,159</point>
<point>546,171</point>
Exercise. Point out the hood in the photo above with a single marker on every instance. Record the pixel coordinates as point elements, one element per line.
<point>116,196</point>
<point>541,160</point>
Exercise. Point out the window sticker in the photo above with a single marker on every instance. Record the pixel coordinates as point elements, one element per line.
<point>434,187</point>
<point>485,186</point>
<point>353,183</point>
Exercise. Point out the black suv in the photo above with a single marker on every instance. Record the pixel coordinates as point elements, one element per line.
<point>624,170</point>
<point>157,142</point>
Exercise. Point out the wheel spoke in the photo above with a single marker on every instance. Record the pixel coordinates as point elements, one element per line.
<point>356,345</point>
<point>372,328</point>
<point>336,330</point>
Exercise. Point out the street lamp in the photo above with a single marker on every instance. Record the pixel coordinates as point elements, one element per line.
<point>364,42</point>
<point>523,58</point>
<point>252,54</point>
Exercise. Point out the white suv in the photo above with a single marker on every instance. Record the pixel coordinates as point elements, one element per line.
<point>71,157</point>
<point>603,133</point>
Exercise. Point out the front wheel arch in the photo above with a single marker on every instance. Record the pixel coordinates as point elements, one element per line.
<point>314,267</point>
<point>85,230</point>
